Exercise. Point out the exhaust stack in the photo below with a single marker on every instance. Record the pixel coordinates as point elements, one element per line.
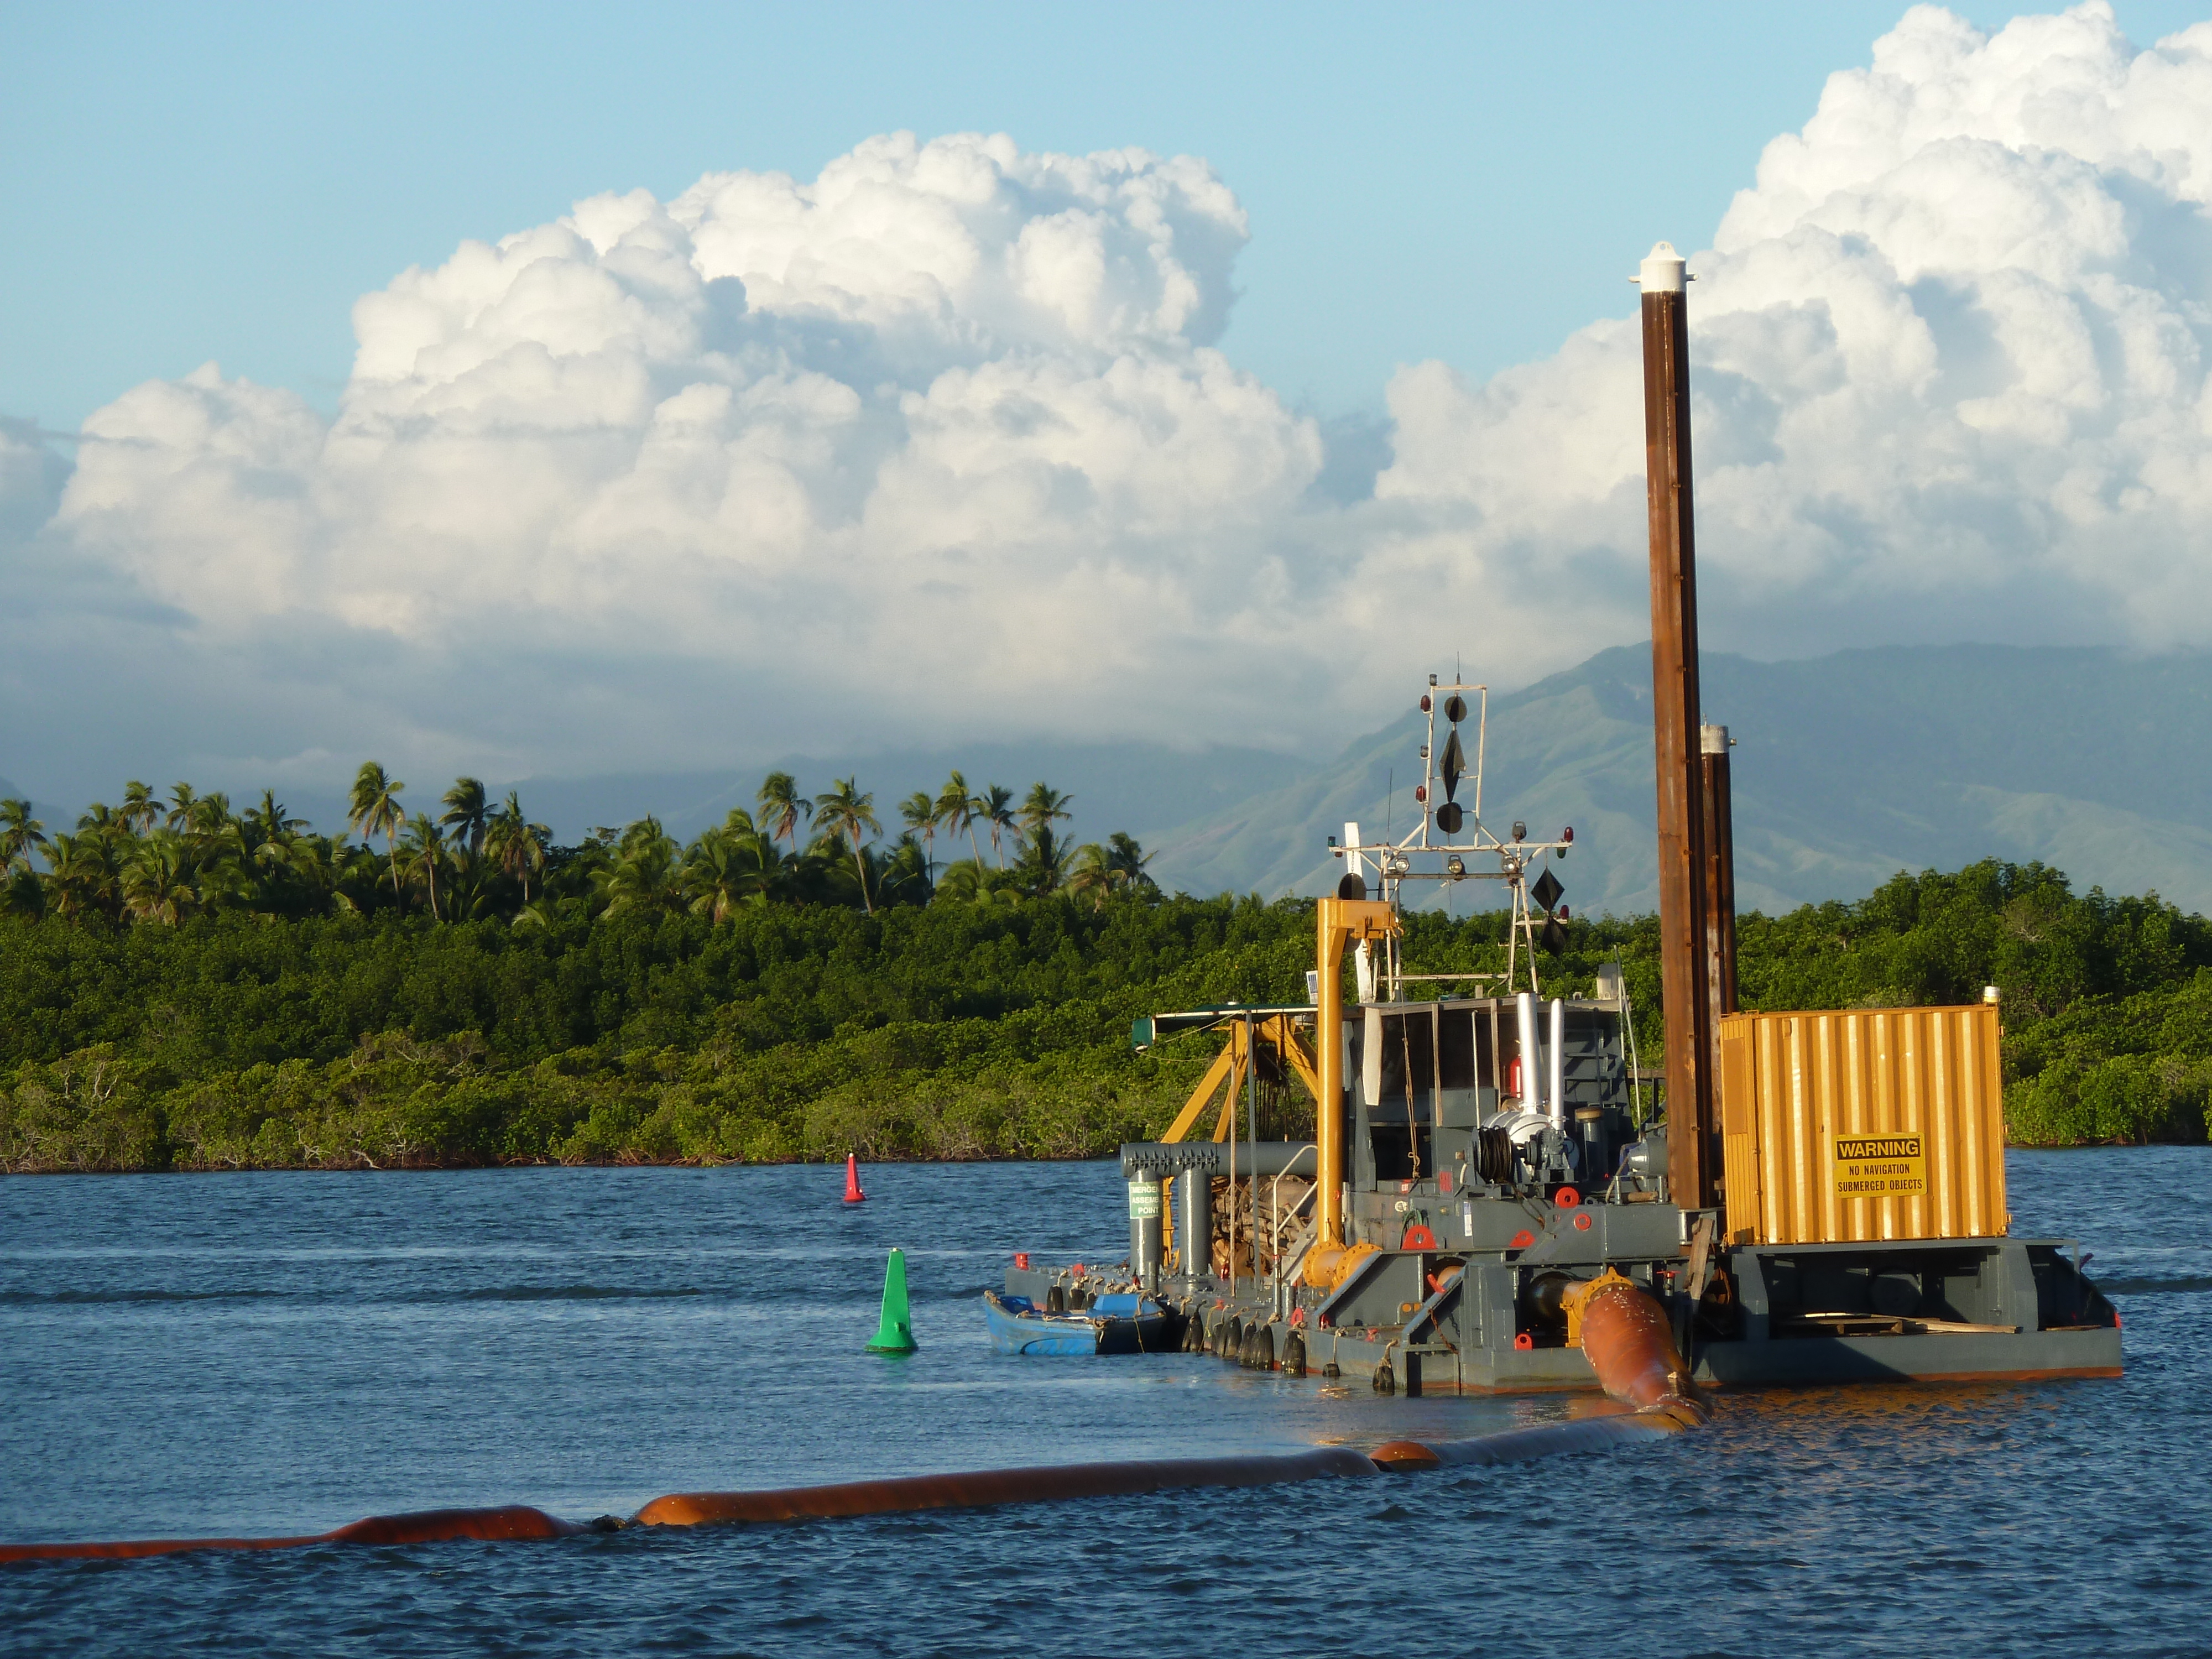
<point>1720,874</point>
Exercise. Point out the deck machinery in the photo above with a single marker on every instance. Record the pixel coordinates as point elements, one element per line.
<point>1814,1197</point>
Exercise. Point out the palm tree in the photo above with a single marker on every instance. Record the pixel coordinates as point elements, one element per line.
<point>85,873</point>
<point>517,846</point>
<point>782,807</point>
<point>65,896</point>
<point>305,859</point>
<point>222,862</point>
<point>727,868</point>
<point>469,894</point>
<point>1093,873</point>
<point>1045,806</point>
<point>955,811</point>
<point>971,881</point>
<point>994,807</point>
<point>157,882</point>
<point>269,821</point>
<point>1043,863</point>
<point>905,875</point>
<point>844,811</point>
<point>375,810</point>
<point>181,796</point>
<point>1128,860</point>
<point>643,875</point>
<point>209,815</point>
<point>540,915</point>
<point>140,808</point>
<point>920,813</point>
<point>468,811</point>
<point>426,851</point>
<point>19,833</point>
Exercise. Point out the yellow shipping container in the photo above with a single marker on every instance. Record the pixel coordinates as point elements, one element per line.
<point>1863,1123</point>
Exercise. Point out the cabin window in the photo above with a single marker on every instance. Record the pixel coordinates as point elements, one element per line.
<point>1402,1151</point>
<point>1408,1044</point>
<point>1455,1048</point>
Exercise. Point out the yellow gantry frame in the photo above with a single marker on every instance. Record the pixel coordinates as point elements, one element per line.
<point>1232,1062</point>
<point>1338,923</point>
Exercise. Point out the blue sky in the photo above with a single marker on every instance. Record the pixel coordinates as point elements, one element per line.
<point>1469,183</point>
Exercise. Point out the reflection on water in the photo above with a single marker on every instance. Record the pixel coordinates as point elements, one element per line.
<point>285,1352</point>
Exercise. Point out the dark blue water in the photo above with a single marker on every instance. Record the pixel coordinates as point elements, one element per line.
<point>282,1353</point>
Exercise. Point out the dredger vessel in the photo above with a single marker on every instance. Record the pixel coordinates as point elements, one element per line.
<point>1813,1197</point>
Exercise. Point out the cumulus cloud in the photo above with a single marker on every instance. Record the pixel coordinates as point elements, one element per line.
<point>940,442</point>
<point>1948,358</point>
<point>948,413</point>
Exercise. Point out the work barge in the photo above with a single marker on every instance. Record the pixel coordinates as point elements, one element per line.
<point>1810,1197</point>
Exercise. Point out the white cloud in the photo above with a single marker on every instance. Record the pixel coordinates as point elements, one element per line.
<point>948,409</point>
<point>1948,357</point>
<point>940,442</point>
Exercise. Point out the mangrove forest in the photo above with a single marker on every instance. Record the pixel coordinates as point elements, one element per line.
<point>187,986</point>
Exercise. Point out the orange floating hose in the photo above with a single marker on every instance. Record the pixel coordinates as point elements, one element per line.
<point>511,1521</point>
<point>991,1486</point>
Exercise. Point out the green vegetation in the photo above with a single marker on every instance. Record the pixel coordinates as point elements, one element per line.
<point>182,987</point>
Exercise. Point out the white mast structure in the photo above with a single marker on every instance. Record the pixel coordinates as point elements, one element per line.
<point>1447,838</point>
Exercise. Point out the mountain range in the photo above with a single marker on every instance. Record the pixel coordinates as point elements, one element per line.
<point>1846,769</point>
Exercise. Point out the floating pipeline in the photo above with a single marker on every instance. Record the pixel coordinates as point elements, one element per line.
<point>994,1486</point>
<point>1623,1331</point>
<point>511,1521</point>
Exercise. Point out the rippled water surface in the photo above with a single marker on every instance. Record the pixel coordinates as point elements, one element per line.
<point>282,1353</point>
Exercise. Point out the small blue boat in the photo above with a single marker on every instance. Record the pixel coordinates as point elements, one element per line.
<point>1112,1324</point>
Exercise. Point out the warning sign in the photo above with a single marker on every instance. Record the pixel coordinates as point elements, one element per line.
<point>1880,1166</point>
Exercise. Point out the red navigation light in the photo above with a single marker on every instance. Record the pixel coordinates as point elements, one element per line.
<point>1424,702</point>
<point>1421,792</point>
<point>1567,835</point>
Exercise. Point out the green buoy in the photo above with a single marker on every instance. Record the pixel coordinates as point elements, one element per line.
<point>895,1334</point>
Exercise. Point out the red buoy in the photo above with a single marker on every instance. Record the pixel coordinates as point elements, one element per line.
<point>852,1193</point>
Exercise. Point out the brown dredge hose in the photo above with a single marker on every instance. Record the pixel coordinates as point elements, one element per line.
<point>1623,1331</point>
<point>428,1527</point>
